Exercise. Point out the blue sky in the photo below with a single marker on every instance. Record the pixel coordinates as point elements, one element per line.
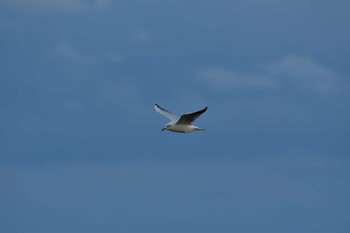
<point>81,147</point>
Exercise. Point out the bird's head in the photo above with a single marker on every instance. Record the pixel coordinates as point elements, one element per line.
<point>166,127</point>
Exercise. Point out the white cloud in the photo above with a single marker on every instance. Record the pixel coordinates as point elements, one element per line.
<point>222,79</point>
<point>296,72</point>
<point>50,6</point>
<point>69,53</point>
<point>303,73</point>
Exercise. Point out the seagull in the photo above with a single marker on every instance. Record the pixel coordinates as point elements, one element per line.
<point>181,124</point>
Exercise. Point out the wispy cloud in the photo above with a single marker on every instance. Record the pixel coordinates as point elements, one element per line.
<point>4,23</point>
<point>303,73</point>
<point>222,79</point>
<point>292,71</point>
<point>57,6</point>
<point>67,52</point>
<point>142,36</point>
<point>181,187</point>
<point>116,57</point>
<point>122,95</point>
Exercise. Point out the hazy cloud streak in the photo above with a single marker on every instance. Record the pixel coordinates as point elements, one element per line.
<point>296,72</point>
<point>55,6</point>
<point>67,52</point>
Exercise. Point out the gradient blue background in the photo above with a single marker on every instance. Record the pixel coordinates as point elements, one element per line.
<point>81,148</point>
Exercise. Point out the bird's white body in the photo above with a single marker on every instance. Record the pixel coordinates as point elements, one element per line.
<point>181,124</point>
<point>182,128</point>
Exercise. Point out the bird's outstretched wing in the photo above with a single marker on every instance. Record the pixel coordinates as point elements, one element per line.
<point>187,119</point>
<point>166,113</point>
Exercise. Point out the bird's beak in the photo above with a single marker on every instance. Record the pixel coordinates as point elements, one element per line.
<point>163,129</point>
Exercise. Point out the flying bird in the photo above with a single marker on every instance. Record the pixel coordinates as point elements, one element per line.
<point>181,124</point>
